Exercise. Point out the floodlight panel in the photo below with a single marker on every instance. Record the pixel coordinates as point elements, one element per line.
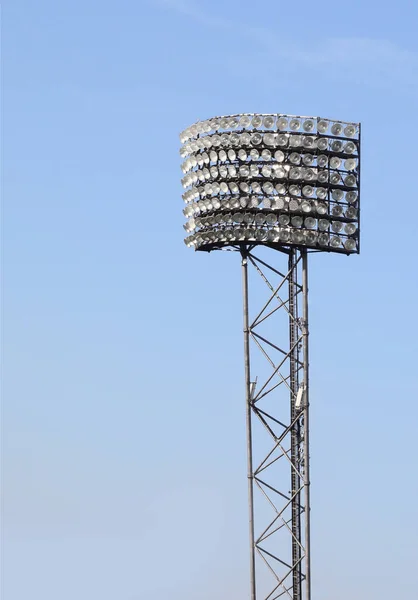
<point>287,175</point>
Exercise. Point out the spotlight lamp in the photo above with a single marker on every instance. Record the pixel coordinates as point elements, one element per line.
<point>276,166</point>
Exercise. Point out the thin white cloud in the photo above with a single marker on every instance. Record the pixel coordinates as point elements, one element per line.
<point>373,61</point>
<point>189,9</point>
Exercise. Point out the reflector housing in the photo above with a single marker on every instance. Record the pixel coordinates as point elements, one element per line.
<point>272,168</point>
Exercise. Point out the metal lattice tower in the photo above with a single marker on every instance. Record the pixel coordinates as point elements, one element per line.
<point>292,185</point>
<point>279,401</point>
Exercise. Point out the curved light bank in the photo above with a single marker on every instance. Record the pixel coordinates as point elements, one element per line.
<point>272,179</point>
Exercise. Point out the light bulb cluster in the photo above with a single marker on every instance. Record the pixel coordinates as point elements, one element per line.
<point>246,141</point>
<point>272,179</point>
<point>270,122</point>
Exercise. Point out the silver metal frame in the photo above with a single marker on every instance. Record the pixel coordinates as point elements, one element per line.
<point>286,422</point>
<point>277,400</point>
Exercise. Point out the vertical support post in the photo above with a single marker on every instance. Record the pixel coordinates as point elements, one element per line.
<point>248,398</point>
<point>295,438</point>
<point>307,482</point>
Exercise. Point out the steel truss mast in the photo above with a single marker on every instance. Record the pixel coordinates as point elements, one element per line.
<point>277,401</point>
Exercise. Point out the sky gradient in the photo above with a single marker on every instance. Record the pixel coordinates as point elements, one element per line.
<point>124,472</point>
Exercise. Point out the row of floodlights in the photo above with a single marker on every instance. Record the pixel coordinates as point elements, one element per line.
<point>276,235</point>
<point>231,190</point>
<point>295,158</point>
<point>272,172</point>
<point>275,122</point>
<point>281,205</point>
<point>271,140</point>
<point>306,204</point>
<point>272,220</point>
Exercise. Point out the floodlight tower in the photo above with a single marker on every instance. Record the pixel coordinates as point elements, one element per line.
<point>290,184</point>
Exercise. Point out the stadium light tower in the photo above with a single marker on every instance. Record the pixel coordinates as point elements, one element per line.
<point>290,184</point>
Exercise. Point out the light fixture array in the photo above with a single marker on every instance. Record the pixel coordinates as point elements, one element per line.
<point>272,180</point>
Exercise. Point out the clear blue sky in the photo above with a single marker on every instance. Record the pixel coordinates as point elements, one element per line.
<point>123,447</point>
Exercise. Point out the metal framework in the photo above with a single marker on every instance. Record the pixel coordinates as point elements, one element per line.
<point>258,183</point>
<point>277,402</point>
